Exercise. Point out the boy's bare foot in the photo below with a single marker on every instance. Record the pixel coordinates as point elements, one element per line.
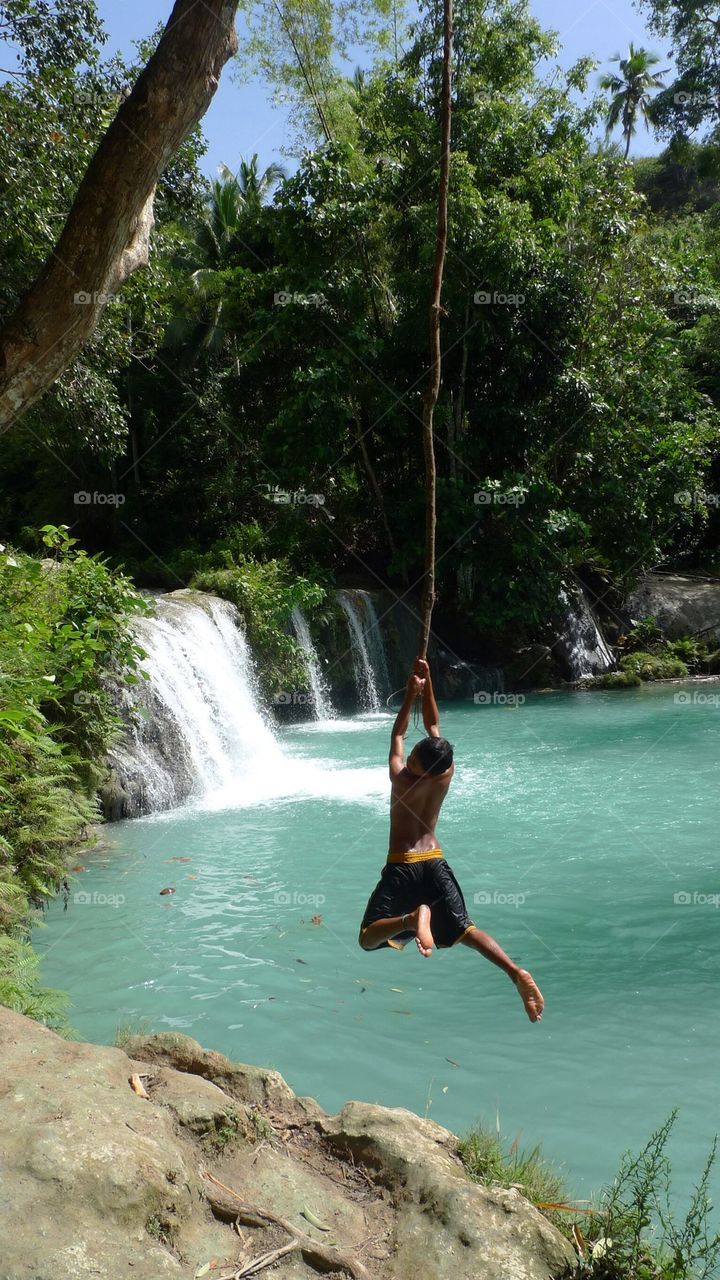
<point>420,922</point>
<point>530,995</point>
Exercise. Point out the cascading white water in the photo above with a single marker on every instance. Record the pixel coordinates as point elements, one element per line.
<point>581,643</point>
<point>368,651</point>
<point>197,724</point>
<point>321,702</point>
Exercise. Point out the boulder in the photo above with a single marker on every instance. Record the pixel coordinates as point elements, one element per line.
<point>682,606</point>
<point>220,1163</point>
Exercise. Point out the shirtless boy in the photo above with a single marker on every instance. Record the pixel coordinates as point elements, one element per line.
<point>417,895</point>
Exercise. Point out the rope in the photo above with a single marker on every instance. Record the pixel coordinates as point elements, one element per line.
<point>433,386</point>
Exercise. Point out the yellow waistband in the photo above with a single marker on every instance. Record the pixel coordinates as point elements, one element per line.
<point>416,855</point>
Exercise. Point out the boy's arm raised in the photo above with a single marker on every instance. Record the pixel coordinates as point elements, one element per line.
<point>431,715</point>
<point>399,729</point>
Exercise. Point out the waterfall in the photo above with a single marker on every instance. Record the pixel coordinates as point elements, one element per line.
<point>372,681</point>
<point>322,706</point>
<point>194,725</point>
<point>581,644</point>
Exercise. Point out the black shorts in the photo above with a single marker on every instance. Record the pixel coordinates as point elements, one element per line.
<point>404,886</point>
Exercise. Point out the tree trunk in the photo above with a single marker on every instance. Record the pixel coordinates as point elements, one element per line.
<point>433,387</point>
<point>107,231</point>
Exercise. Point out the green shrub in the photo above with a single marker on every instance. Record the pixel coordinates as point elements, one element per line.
<point>65,624</point>
<point>689,650</point>
<point>654,666</point>
<point>635,1235</point>
<point>614,680</point>
<point>265,595</point>
<point>644,634</point>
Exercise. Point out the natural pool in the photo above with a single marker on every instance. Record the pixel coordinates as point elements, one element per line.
<point>588,823</point>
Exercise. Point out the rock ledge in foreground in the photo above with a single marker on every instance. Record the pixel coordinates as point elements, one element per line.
<point>101,1182</point>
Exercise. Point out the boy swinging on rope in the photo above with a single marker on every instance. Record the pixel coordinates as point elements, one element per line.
<point>417,895</point>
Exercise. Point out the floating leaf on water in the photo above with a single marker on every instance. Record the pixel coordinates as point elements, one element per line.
<point>398,991</point>
<point>313,1220</point>
<point>162,891</point>
<point>191,877</point>
<point>452,1062</point>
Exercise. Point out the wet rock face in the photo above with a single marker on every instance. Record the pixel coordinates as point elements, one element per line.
<point>100,1181</point>
<point>681,606</point>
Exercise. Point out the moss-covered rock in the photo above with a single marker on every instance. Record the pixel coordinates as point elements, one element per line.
<point>614,680</point>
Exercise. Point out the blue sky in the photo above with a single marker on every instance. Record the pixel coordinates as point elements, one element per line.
<point>242,119</point>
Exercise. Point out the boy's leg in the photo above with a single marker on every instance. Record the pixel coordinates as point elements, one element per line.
<point>383,930</point>
<point>528,989</point>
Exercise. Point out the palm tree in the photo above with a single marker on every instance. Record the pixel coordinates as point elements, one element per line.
<point>630,88</point>
<point>218,235</point>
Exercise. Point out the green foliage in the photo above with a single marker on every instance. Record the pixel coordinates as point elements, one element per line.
<point>282,342</point>
<point>644,633</point>
<point>226,1130</point>
<point>20,987</point>
<point>614,680</point>
<point>635,1234</point>
<point>689,650</point>
<point>493,1162</point>
<point>64,627</point>
<point>653,666</point>
<point>265,595</point>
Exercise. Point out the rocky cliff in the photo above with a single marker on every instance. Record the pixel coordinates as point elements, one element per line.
<point>221,1171</point>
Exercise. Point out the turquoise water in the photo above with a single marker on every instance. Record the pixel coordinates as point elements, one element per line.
<point>578,817</point>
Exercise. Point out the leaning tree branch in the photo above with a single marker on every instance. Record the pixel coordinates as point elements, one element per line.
<point>107,231</point>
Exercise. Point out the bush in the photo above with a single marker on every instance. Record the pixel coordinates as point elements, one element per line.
<point>654,666</point>
<point>265,595</point>
<point>634,1235</point>
<point>644,634</point>
<point>614,680</point>
<point>64,625</point>
<point>689,650</point>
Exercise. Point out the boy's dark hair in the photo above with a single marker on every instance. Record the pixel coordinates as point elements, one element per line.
<point>435,754</point>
